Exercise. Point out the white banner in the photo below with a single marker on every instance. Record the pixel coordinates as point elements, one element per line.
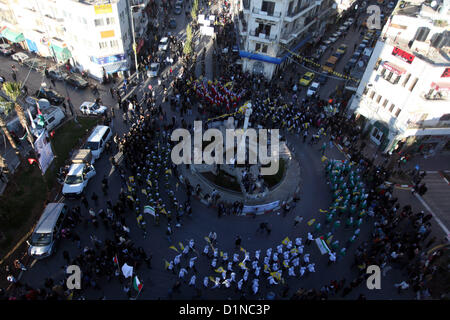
<point>44,151</point>
<point>207,31</point>
<point>260,208</point>
<point>322,245</point>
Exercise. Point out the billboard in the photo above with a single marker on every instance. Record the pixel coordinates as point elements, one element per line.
<point>103,8</point>
<point>44,151</point>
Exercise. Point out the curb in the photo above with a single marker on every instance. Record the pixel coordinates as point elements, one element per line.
<point>400,186</point>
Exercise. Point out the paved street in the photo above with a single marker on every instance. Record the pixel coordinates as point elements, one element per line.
<point>315,194</point>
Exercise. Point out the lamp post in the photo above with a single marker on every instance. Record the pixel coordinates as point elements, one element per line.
<point>142,5</point>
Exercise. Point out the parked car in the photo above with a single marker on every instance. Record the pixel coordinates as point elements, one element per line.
<point>47,231</point>
<point>349,65</point>
<point>322,79</point>
<point>52,117</point>
<point>391,5</point>
<point>306,79</point>
<point>342,48</point>
<point>172,24</point>
<point>76,81</point>
<point>343,28</point>
<point>154,70</point>
<point>56,73</point>
<point>92,108</point>
<point>51,95</point>
<point>35,64</point>
<point>313,88</point>
<point>6,49</point>
<point>177,10</point>
<point>332,39</point>
<point>19,57</point>
<point>163,44</point>
<point>337,34</point>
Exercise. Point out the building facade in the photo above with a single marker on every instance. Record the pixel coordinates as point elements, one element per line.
<point>269,31</point>
<point>94,35</point>
<point>403,97</point>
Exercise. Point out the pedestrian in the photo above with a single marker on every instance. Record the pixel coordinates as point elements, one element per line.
<point>401,286</point>
<point>310,239</point>
<point>53,82</point>
<point>297,220</point>
<point>238,241</point>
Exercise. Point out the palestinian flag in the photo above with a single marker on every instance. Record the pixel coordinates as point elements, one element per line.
<point>137,285</point>
<point>115,260</point>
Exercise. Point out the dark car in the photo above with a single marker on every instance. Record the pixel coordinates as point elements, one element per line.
<point>57,74</point>
<point>322,79</point>
<point>76,81</point>
<point>6,49</point>
<point>51,95</point>
<point>177,10</point>
<point>172,24</point>
<point>35,64</point>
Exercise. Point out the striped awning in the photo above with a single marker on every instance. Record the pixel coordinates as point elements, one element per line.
<point>393,68</point>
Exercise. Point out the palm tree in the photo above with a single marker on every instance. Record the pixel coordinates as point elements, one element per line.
<point>14,92</point>
<point>6,107</point>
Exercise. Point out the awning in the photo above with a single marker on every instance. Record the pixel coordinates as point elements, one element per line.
<point>62,54</point>
<point>440,86</point>
<point>32,45</point>
<point>12,35</point>
<point>259,57</point>
<point>297,47</point>
<point>393,68</point>
<point>115,67</point>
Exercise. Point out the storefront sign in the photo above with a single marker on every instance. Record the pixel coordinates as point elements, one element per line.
<point>405,56</point>
<point>261,208</point>
<point>446,73</point>
<point>107,34</point>
<point>110,59</point>
<point>103,8</point>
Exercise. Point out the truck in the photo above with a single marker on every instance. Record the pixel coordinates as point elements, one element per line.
<point>80,172</point>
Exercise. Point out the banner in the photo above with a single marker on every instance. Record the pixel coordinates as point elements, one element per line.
<point>261,208</point>
<point>44,151</point>
<point>322,246</point>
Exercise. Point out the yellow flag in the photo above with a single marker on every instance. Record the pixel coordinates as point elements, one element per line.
<point>131,198</point>
<point>207,240</point>
<point>242,265</point>
<point>174,248</point>
<point>285,264</point>
<point>243,250</point>
<point>323,210</point>
<point>70,296</point>
<point>285,241</point>
<point>129,188</point>
<point>219,270</point>
<point>167,264</point>
<point>164,211</point>
<point>329,240</point>
<point>149,182</point>
<point>144,191</point>
<point>181,245</point>
<point>169,171</point>
<point>131,178</point>
<point>294,250</point>
<point>311,222</point>
<point>212,279</point>
<point>324,158</point>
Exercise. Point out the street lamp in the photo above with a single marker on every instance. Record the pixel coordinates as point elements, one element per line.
<point>142,5</point>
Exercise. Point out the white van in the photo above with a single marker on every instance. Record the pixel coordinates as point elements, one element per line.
<point>53,116</point>
<point>97,141</point>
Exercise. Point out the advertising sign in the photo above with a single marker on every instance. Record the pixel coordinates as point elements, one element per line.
<point>103,8</point>
<point>405,56</point>
<point>44,151</point>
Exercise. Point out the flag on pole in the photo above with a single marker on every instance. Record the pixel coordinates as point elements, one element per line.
<point>167,264</point>
<point>31,118</point>
<point>137,285</point>
<point>31,160</point>
<point>127,270</point>
<point>149,210</point>
<point>311,222</point>
<point>207,240</point>
<point>323,210</point>
<point>115,260</point>
<point>174,248</point>
<point>285,241</point>
<point>181,245</point>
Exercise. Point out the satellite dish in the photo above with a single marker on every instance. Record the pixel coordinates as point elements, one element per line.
<point>433,4</point>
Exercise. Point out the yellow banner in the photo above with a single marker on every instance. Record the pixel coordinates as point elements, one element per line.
<point>103,8</point>
<point>107,34</point>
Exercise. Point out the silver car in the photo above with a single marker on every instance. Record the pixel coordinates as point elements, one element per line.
<point>43,239</point>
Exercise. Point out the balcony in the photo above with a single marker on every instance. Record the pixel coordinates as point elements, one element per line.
<point>271,16</point>
<point>288,37</point>
<point>261,37</point>
<point>246,6</point>
<point>292,16</point>
<point>243,31</point>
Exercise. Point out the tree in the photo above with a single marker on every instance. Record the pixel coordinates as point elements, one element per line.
<point>6,107</point>
<point>194,14</point>
<point>14,91</point>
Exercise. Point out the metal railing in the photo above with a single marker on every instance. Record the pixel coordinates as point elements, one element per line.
<point>265,36</point>
<point>274,14</point>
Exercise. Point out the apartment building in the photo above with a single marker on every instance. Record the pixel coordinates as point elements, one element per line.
<point>403,98</point>
<point>270,30</point>
<point>94,35</point>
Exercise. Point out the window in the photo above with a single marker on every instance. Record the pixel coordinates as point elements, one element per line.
<point>377,64</point>
<point>396,79</point>
<point>411,88</point>
<point>268,7</point>
<point>114,44</point>
<point>99,22</point>
<point>379,98</point>
<point>376,135</point>
<point>125,36</point>
<point>389,76</point>
<point>406,79</point>
<point>264,48</point>
<point>372,94</point>
<point>110,20</point>
<point>385,103</point>
<point>291,6</point>
<point>257,47</point>
<point>383,72</point>
<point>366,89</point>
<point>103,45</point>
<point>398,112</point>
<point>445,117</point>
<point>392,107</point>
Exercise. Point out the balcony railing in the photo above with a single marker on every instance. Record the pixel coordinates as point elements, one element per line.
<point>425,125</point>
<point>297,11</point>
<point>274,14</point>
<point>263,36</point>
